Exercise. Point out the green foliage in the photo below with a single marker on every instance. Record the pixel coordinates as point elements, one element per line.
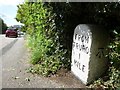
<point>47,54</point>
<point>114,56</point>
<point>114,53</point>
<point>3,26</point>
<point>114,78</point>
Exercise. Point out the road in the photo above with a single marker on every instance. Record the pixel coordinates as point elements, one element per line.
<point>15,61</point>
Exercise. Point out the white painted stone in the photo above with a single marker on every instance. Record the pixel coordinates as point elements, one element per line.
<point>88,53</point>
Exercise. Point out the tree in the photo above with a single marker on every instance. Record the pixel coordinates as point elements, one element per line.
<point>3,26</point>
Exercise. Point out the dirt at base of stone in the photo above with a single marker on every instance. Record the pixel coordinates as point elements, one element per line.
<point>65,77</point>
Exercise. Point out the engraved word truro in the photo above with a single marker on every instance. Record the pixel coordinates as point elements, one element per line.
<point>84,39</point>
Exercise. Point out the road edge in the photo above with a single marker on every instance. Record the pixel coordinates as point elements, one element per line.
<point>8,46</point>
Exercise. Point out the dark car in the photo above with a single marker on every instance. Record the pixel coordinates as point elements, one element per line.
<point>11,33</point>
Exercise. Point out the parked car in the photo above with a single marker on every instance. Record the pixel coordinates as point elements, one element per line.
<point>11,33</point>
<point>20,33</point>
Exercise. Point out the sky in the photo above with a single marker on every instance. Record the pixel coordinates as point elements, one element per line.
<point>8,11</point>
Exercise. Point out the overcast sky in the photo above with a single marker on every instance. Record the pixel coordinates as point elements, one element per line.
<point>8,11</point>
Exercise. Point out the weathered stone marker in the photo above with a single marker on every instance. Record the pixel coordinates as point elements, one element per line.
<point>88,52</point>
